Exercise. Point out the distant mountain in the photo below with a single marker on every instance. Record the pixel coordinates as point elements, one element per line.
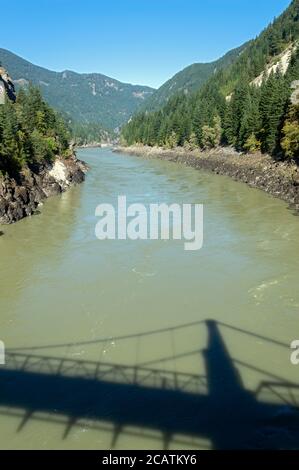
<point>191,79</point>
<point>84,98</point>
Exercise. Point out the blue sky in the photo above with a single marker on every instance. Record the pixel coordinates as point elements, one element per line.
<point>136,41</point>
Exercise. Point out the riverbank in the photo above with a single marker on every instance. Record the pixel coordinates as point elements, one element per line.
<point>21,196</point>
<point>280,179</point>
<point>92,145</point>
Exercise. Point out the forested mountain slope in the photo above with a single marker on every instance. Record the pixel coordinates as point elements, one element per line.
<point>247,105</point>
<point>190,79</point>
<point>84,98</point>
<point>31,132</point>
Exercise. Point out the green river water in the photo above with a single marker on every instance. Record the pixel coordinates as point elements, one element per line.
<point>137,312</point>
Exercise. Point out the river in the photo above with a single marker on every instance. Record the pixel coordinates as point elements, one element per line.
<point>216,322</point>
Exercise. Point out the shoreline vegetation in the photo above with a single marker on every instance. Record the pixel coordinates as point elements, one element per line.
<point>37,158</point>
<point>94,145</point>
<point>277,178</point>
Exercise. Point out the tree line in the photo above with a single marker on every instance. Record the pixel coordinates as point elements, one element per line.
<point>30,132</point>
<point>89,133</point>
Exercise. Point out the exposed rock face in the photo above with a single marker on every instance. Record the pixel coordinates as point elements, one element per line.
<point>295,92</point>
<point>279,63</point>
<point>21,198</point>
<point>6,86</point>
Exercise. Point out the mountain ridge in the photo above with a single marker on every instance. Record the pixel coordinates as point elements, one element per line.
<point>86,98</point>
<point>191,78</point>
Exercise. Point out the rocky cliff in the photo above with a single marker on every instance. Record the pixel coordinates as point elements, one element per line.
<point>22,191</point>
<point>6,86</point>
<point>21,197</point>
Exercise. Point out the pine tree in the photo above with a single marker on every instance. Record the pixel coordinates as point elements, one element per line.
<point>273,106</point>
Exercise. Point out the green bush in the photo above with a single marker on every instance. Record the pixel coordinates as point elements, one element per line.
<point>290,141</point>
<point>252,144</point>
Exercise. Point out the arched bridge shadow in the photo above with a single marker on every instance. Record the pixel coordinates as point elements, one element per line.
<point>215,406</point>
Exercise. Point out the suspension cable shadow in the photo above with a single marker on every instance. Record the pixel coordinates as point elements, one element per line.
<point>215,406</point>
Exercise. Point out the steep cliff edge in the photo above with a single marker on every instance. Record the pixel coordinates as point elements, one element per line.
<point>6,86</point>
<point>21,197</point>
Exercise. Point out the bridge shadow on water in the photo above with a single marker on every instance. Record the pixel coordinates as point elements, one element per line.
<point>214,407</point>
